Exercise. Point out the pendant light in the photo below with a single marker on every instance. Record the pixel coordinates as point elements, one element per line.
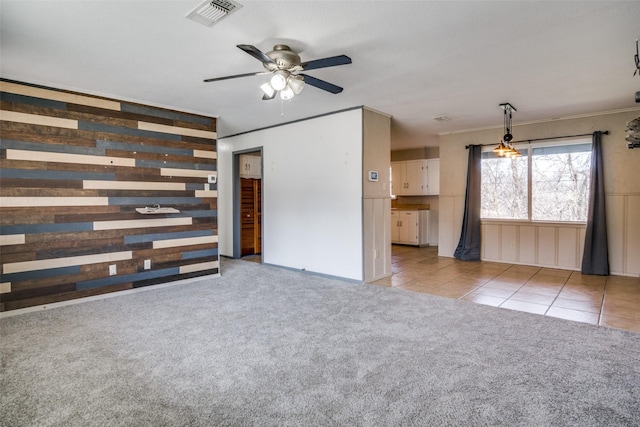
<point>504,149</point>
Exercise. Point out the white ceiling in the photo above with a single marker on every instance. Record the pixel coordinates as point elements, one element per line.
<point>414,60</point>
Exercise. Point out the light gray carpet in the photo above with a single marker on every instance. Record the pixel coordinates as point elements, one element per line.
<point>266,346</point>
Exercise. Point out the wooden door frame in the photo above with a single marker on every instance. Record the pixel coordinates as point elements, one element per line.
<point>237,244</point>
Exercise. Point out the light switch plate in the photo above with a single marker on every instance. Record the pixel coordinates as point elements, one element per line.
<point>212,179</point>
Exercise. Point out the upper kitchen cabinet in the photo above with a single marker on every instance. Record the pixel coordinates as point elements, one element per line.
<point>416,177</point>
<point>250,166</point>
<point>433,177</point>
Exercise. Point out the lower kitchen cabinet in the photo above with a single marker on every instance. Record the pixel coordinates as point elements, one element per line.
<point>410,227</point>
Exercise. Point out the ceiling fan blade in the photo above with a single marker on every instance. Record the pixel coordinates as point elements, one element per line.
<point>256,53</point>
<point>215,79</point>
<point>326,62</point>
<point>321,84</point>
<point>266,97</point>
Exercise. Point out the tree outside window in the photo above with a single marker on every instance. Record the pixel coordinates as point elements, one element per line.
<point>548,183</point>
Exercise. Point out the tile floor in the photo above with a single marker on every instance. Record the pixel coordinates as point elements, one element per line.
<point>612,301</point>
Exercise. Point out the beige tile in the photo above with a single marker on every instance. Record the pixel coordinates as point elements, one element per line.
<point>520,278</point>
<point>483,299</point>
<point>621,310</point>
<point>623,292</point>
<point>486,276</point>
<point>526,269</point>
<point>529,307</point>
<point>502,284</point>
<point>584,295</point>
<point>623,282</point>
<point>578,316</point>
<point>594,288</point>
<point>494,292</point>
<point>620,323</point>
<point>531,297</point>
<point>410,273</point>
<point>588,306</point>
<point>467,287</point>
<point>525,288</point>
<point>396,280</point>
<point>417,286</point>
<point>577,277</point>
<point>541,289</point>
<point>443,291</point>
<point>468,281</point>
<point>553,272</point>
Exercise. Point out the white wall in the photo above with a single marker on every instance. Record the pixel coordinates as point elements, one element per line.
<point>550,245</point>
<point>312,194</point>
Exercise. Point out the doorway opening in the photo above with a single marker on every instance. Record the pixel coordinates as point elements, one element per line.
<point>248,205</point>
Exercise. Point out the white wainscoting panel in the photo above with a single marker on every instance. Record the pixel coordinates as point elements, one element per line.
<point>445,230</point>
<point>633,235</point>
<point>509,243</point>
<point>492,242</point>
<point>527,245</point>
<point>554,245</point>
<point>568,242</point>
<point>615,231</point>
<point>547,246</point>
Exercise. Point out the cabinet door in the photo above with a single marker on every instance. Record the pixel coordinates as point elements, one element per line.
<point>409,227</point>
<point>250,167</point>
<point>395,227</point>
<point>398,178</point>
<point>415,178</point>
<point>433,177</point>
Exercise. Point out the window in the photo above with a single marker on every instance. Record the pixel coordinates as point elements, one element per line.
<point>548,183</point>
<point>505,186</point>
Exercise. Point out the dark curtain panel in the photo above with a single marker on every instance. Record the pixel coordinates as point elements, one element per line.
<point>469,246</point>
<point>595,259</point>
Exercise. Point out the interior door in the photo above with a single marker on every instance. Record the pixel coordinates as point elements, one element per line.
<point>250,216</point>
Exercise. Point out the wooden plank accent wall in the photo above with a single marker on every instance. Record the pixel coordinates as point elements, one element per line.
<point>73,170</point>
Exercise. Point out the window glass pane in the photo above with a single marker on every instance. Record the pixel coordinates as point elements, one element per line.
<point>560,182</point>
<point>504,186</point>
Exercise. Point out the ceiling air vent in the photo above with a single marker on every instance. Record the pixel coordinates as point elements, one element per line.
<point>211,11</point>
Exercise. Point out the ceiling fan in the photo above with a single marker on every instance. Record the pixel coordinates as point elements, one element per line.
<point>285,67</point>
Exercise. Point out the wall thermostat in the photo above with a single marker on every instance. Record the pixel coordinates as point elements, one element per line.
<point>212,179</point>
<point>373,176</point>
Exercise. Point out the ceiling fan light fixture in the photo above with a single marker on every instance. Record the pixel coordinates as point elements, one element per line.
<point>268,89</point>
<point>286,93</point>
<point>296,83</point>
<point>279,79</point>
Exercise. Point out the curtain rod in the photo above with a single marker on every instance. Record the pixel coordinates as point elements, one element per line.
<point>604,132</point>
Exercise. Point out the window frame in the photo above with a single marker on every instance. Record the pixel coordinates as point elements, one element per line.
<point>520,146</point>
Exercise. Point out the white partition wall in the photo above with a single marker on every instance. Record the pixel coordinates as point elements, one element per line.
<point>312,193</point>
